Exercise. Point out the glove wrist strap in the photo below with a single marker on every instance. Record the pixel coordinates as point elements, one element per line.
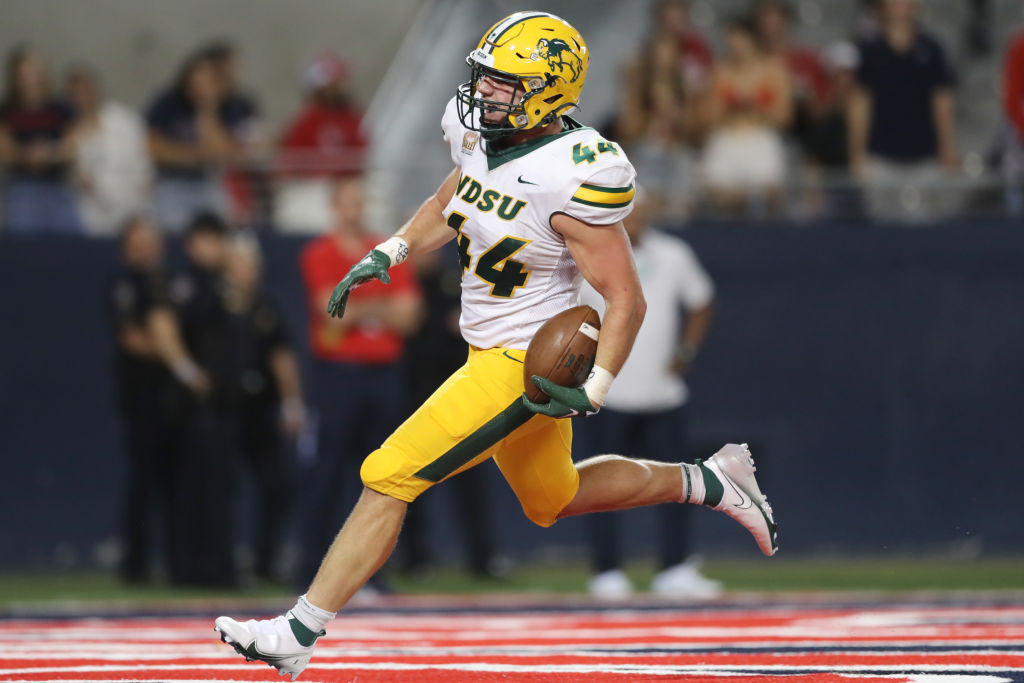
<point>598,384</point>
<point>396,248</point>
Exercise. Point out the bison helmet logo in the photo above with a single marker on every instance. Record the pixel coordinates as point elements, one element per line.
<point>560,58</point>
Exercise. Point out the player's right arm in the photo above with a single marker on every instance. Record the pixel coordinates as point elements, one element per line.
<point>605,259</point>
<point>425,231</point>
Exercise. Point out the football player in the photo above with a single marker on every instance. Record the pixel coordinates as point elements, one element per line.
<point>535,202</point>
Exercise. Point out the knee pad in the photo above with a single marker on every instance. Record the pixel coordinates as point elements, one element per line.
<point>385,471</point>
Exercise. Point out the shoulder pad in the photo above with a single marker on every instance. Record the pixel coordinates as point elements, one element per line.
<point>604,182</point>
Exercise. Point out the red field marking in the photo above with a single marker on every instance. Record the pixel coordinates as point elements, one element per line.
<point>923,644</point>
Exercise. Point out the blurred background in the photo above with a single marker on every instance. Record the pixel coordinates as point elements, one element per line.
<point>181,183</point>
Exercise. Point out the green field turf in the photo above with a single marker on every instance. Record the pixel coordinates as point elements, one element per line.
<point>19,589</point>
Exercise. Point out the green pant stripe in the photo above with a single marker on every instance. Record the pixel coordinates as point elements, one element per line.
<point>496,429</point>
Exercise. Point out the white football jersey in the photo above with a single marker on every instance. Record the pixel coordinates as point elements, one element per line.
<point>516,270</point>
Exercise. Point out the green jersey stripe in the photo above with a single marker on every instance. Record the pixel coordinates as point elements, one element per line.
<point>609,190</point>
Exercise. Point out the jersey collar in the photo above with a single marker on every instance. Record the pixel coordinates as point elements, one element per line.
<point>496,159</point>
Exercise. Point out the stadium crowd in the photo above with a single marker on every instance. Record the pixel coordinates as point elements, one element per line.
<point>209,376</point>
<point>766,126</point>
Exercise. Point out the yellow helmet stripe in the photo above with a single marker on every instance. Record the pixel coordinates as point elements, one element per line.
<point>608,197</point>
<point>503,26</point>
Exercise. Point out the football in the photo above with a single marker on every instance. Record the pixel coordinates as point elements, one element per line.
<point>562,350</point>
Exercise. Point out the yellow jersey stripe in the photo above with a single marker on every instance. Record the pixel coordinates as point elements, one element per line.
<point>612,197</point>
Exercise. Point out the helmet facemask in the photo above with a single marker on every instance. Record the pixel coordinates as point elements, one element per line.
<point>471,108</point>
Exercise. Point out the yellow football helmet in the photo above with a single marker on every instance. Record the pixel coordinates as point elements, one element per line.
<point>536,51</point>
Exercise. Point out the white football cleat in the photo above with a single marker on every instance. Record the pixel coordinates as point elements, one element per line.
<point>610,585</point>
<point>277,641</point>
<point>685,582</point>
<point>742,498</point>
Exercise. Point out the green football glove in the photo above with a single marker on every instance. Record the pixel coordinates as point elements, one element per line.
<point>372,266</point>
<point>565,401</point>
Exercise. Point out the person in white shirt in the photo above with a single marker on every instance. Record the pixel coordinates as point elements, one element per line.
<point>113,172</point>
<point>645,412</point>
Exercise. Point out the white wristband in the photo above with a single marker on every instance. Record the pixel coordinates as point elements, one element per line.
<point>598,384</point>
<point>396,248</point>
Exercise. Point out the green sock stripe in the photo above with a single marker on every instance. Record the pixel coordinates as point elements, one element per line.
<point>713,489</point>
<point>302,633</point>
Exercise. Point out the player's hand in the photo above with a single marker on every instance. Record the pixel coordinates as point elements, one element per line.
<point>565,401</point>
<point>373,266</point>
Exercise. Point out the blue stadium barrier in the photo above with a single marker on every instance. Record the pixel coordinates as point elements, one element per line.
<point>878,375</point>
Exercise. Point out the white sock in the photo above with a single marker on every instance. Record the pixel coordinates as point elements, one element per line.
<point>693,484</point>
<point>311,616</point>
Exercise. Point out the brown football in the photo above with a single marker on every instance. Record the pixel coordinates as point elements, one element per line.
<point>562,350</point>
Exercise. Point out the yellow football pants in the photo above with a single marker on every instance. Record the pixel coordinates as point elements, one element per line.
<point>475,415</point>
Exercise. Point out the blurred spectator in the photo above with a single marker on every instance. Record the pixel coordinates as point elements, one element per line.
<point>270,405</point>
<point>144,386</point>
<point>749,104</point>
<point>902,143</point>
<point>246,185</point>
<point>194,132</point>
<point>236,103</point>
<point>978,29</point>
<point>1012,147</point>
<point>362,351</point>
<point>867,24</point>
<point>657,120</point>
<point>205,488</point>
<point>112,167</point>
<point>645,413</point>
<point>435,351</point>
<point>322,141</point>
<point>693,53</point>
<point>808,79</point>
<point>36,150</point>
<point>826,153</point>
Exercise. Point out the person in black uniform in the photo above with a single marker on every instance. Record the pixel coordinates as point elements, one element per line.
<point>270,404</point>
<point>144,387</point>
<point>205,481</point>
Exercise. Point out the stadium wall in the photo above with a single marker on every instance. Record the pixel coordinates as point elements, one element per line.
<point>138,46</point>
<point>876,373</point>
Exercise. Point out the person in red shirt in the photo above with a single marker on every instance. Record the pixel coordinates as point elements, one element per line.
<point>322,141</point>
<point>359,390</point>
<point>1010,149</point>
<point>1013,85</point>
<point>324,138</point>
